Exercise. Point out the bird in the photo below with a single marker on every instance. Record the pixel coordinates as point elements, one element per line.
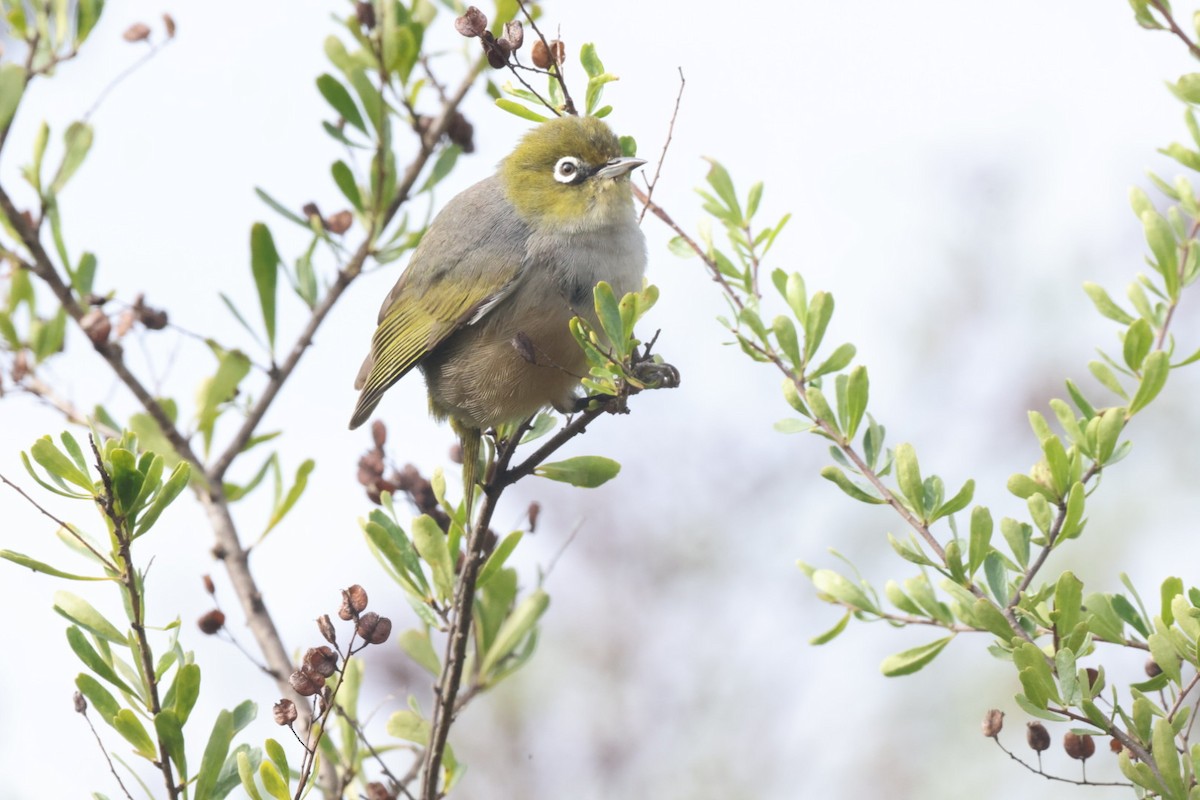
<point>484,306</point>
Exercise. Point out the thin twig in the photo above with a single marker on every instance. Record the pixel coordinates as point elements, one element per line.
<point>568,103</point>
<point>64,525</point>
<point>1174,27</point>
<point>155,49</point>
<point>1038,771</point>
<point>662,157</point>
<point>104,751</point>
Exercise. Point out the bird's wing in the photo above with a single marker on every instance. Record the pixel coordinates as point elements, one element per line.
<point>470,259</point>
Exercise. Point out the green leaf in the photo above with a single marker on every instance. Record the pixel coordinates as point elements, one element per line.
<point>344,179</point>
<point>264,264</point>
<point>339,97</point>
<point>833,632</point>
<point>1105,305</point>
<point>76,142</point>
<point>842,589</point>
<point>232,367</point>
<point>431,545</point>
<point>718,178</point>
<point>981,538</point>
<point>87,14</point>
<point>1101,372</point>
<point>47,454</point>
<point>515,629</point>
<point>39,566</point>
<point>92,660</point>
<point>12,86</point>
<point>820,311</point>
<point>169,728</point>
<point>273,781</point>
<point>496,560</point>
<point>836,476</point>
<point>956,503</point>
<point>515,108</point>
<point>281,209</point>
<point>165,496</point>
<point>591,62</point>
<point>1138,340</point>
<point>837,360</point>
<point>409,726</point>
<point>910,661</point>
<point>1162,243</point>
<point>445,162</point>
<point>587,472</point>
<point>83,614</point>
<point>908,475</point>
<point>1034,672</point>
<point>214,755</point>
<point>1068,604</point>
<point>292,496</point>
<point>130,727</point>
<point>417,646</point>
<point>1154,376</point>
<point>101,699</point>
<point>609,313</point>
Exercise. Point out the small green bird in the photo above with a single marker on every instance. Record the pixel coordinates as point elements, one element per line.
<point>485,304</point>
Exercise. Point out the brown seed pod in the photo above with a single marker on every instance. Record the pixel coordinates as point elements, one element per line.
<point>374,628</point>
<point>80,703</point>
<point>339,223</point>
<point>366,14</point>
<point>1093,677</point>
<point>377,791</point>
<point>97,326</point>
<point>321,660</point>
<point>1114,744</point>
<point>306,683</point>
<point>535,510</point>
<point>472,23</point>
<point>993,723</point>
<point>209,586</point>
<point>136,32</point>
<point>325,625</point>
<point>284,712</point>
<point>514,34</point>
<point>169,24</point>
<point>1037,736</point>
<point>497,50</point>
<point>1152,668</point>
<point>211,622</point>
<point>1080,747</point>
<point>357,597</point>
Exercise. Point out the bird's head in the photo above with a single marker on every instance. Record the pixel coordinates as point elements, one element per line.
<point>568,175</point>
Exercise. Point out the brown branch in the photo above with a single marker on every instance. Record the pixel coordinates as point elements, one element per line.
<point>1158,6</point>
<point>1038,771</point>
<point>64,525</point>
<point>104,751</point>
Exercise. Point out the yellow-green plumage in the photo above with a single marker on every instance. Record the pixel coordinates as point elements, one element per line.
<point>484,306</point>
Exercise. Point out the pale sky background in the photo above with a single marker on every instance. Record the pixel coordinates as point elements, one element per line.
<point>955,169</point>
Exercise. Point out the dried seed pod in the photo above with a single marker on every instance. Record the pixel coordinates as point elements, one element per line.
<point>374,628</point>
<point>211,622</point>
<point>497,51</point>
<point>325,626</point>
<point>339,223</point>
<point>358,598</point>
<point>321,660</point>
<point>97,326</point>
<point>209,586</point>
<point>377,791</point>
<point>1037,736</point>
<point>379,434</point>
<point>472,23</point>
<point>284,712</point>
<point>80,703</point>
<point>461,132</point>
<point>1152,668</point>
<point>993,723</point>
<point>1114,744</point>
<point>1080,747</point>
<point>1093,678</point>
<point>151,318</point>
<point>535,511</point>
<point>366,14</point>
<point>540,55</point>
<point>514,34</point>
<point>310,210</point>
<point>169,24</point>
<point>306,683</point>
<point>125,323</point>
<point>136,32</point>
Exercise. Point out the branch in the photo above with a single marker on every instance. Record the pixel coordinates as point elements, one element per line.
<point>663,156</point>
<point>1158,6</point>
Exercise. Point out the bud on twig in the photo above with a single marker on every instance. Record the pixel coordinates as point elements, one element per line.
<point>208,584</point>
<point>993,723</point>
<point>211,622</point>
<point>1080,747</point>
<point>80,703</point>
<point>366,14</point>
<point>1037,736</point>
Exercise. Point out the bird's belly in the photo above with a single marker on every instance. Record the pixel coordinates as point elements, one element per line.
<point>505,368</point>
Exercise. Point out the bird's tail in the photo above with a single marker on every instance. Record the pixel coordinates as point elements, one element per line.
<point>471,440</point>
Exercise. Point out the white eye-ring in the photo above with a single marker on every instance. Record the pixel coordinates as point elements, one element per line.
<point>567,170</point>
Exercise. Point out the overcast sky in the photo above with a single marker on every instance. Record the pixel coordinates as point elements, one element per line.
<point>955,170</point>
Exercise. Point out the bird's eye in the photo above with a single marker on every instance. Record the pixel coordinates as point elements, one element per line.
<point>567,170</point>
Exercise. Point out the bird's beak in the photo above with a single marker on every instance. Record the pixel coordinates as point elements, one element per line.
<point>618,167</point>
